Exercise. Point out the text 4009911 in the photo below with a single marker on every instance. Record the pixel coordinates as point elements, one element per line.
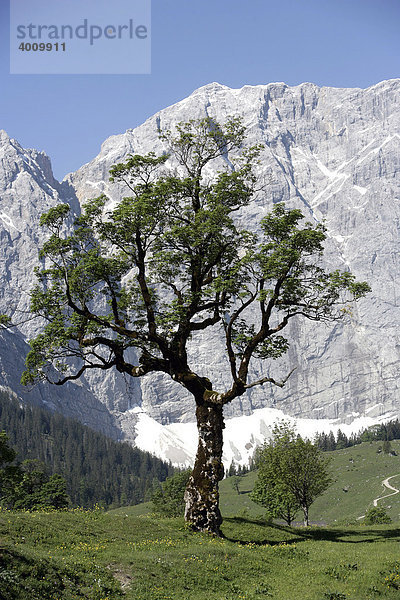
<point>42,47</point>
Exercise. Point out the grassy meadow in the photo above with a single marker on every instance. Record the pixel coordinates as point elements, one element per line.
<point>357,472</point>
<point>105,556</point>
<point>133,555</point>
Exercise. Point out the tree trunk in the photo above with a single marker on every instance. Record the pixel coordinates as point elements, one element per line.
<point>305,511</point>
<point>202,495</point>
<point>288,518</point>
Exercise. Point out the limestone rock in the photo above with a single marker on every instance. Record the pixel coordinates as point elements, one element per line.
<point>333,153</point>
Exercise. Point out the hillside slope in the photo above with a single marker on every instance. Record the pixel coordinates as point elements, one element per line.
<point>358,473</point>
<point>96,556</point>
<point>97,469</point>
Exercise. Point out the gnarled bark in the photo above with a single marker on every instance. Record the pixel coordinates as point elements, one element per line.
<point>202,495</point>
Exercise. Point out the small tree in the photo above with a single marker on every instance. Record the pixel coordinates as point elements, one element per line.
<point>168,500</point>
<point>235,483</point>
<point>292,474</point>
<point>7,454</point>
<point>27,485</point>
<point>168,263</point>
<point>232,470</point>
<point>387,447</point>
<point>269,489</point>
<point>276,498</point>
<point>54,493</point>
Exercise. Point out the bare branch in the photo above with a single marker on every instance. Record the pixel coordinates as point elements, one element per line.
<point>198,326</point>
<point>270,380</point>
<point>81,371</point>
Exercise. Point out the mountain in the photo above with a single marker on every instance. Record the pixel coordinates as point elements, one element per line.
<point>27,189</point>
<point>333,153</point>
<point>97,470</point>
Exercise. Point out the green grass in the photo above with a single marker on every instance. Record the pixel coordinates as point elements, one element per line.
<point>359,470</point>
<point>105,556</point>
<point>128,553</point>
<point>233,504</point>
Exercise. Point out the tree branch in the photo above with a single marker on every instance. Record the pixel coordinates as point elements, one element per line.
<point>81,371</point>
<point>269,380</point>
<point>228,335</point>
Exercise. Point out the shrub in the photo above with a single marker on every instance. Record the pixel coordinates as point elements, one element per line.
<point>377,516</point>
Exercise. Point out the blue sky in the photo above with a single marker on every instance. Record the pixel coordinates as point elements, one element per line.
<point>342,43</point>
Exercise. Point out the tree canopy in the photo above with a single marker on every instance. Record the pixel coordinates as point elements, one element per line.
<point>168,498</point>
<point>132,285</point>
<point>292,473</point>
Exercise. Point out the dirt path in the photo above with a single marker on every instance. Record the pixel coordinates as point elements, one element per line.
<point>385,483</point>
<point>390,487</point>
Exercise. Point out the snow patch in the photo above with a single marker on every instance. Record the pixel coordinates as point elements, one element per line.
<point>177,442</point>
<point>8,221</point>
<point>375,406</point>
<point>359,207</point>
<point>326,171</point>
<point>328,188</point>
<point>94,183</point>
<point>378,148</point>
<point>339,238</point>
<point>360,190</point>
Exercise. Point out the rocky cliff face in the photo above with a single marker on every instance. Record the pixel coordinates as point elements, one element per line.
<point>27,189</point>
<point>334,153</point>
